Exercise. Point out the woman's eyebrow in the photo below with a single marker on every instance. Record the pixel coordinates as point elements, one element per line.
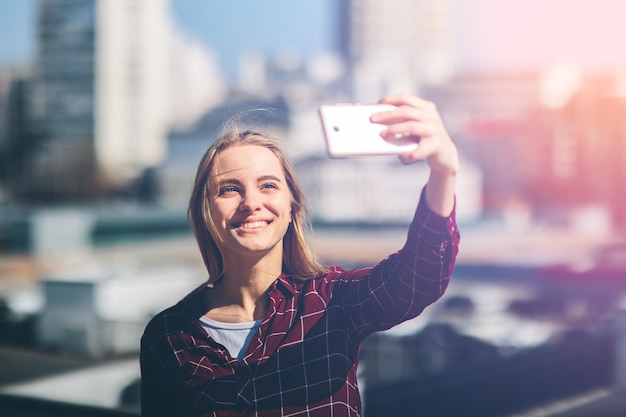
<point>269,177</point>
<point>227,180</point>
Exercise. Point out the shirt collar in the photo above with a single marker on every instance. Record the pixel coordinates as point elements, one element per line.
<point>287,285</point>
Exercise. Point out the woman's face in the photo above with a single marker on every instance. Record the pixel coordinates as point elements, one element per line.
<point>251,204</point>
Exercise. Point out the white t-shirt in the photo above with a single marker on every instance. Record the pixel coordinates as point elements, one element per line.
<point>235,337</point>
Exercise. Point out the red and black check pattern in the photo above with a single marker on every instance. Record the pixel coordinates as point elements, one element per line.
<point>303,359</point>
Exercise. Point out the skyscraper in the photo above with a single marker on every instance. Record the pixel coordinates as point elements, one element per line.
<point>101,96</point>
<point>396,45</point>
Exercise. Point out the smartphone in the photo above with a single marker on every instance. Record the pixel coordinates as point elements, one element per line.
<point>348,131</point>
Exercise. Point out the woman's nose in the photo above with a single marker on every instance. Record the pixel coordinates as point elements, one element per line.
<point>250,201</point>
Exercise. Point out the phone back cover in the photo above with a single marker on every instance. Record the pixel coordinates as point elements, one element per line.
<point>349,132</point>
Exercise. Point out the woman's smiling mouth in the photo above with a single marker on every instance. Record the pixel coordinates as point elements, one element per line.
<point>251,225</point>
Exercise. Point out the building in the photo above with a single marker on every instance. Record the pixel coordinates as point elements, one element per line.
<point>196,83</point>
<point>17,132</point>
<point>377,190</point>
<point>100,96</point>
<point>396,45</point>
<point>100,311</point>
<point>556,162</point>
<point>576,154</point>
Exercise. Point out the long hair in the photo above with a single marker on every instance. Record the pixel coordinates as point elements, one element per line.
<point>298,258</point>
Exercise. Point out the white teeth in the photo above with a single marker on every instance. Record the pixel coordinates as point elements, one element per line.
<point>253,225</point>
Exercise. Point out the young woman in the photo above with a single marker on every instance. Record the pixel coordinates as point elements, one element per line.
<point>274,333</point>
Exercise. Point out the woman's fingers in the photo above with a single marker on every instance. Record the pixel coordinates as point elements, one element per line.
<point>406,99</point>
<point>419,119</point>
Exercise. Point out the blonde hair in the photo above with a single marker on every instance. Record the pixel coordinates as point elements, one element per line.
<point>298,258</point>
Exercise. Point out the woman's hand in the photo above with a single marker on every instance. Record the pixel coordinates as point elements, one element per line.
<point>420,120</point>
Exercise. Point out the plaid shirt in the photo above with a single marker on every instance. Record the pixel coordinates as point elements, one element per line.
<point>303,358</point>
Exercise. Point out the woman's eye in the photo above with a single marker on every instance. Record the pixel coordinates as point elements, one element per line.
<point>227,190</point>
<point>270,186</point>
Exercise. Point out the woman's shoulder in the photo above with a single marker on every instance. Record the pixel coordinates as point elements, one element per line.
<point>177,317</point>
<point>168,321</point>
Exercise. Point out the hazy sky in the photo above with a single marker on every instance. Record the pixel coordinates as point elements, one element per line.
<point>305,26</point>
<point>491,35</point>
<point>16,31</point>
<point>532,33</point>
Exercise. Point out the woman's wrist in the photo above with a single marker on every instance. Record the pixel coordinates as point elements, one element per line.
<point>440,191</point>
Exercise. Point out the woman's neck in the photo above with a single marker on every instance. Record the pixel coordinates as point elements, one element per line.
<point>241,293</point>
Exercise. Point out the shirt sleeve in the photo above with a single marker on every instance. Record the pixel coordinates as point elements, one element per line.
<point>156,391</point>
<point>402,285</point>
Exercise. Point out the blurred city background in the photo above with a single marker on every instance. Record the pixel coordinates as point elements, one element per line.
<point>106,107</point>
